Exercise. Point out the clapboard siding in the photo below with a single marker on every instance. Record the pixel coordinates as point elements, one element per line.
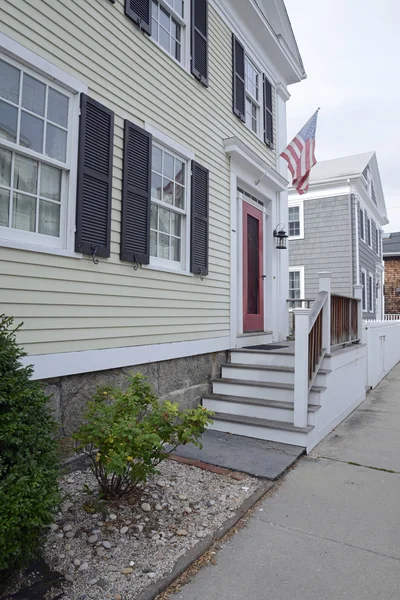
<point>326,245</point>
<point>69,304</point>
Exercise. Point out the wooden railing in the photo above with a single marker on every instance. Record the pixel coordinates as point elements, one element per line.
<point>344,320</point>
<point>316,351</point>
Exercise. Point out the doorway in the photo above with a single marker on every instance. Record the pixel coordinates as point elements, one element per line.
<point>253,267</point>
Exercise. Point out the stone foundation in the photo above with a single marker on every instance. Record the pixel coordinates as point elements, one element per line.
<point>182,380</point>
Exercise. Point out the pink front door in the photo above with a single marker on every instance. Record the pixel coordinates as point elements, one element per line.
<point>253,266</point>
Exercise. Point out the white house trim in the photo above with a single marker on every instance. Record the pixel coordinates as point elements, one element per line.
<point>301,270</point>
<point>47,366</point>
<point>300,204</point>
<point>169,142</point>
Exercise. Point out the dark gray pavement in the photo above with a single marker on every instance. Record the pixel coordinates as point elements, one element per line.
<point>332,529</point>
<point>255,457</point>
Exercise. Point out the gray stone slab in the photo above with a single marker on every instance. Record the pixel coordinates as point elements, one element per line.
<point>255,457</point>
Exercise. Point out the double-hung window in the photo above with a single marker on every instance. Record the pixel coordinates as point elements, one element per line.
<point>252,88</point>
<point>295,221</point>
<point>362,225</point>
<point>370,292</point>
<point>35,156</point>
<point>368,231</point>
<point>168,26</point>
<point>168,221</point>
<point>364,289</point>
<point>295,286</point>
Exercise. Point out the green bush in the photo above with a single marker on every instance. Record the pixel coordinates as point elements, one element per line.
<point>28,456</point>
<point>126,432</point>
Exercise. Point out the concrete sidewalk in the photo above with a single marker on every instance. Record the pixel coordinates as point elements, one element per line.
<point>332,529</point>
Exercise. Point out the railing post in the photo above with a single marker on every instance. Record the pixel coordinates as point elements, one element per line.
<point>301,358</point>
<point>325,278</point>
<point>358,288</point>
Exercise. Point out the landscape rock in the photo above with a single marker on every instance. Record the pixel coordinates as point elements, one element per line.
<point>145,507</point>
<point>182,532</point>
<point>93,539</point>
<point>107,545</point>
<point>124,529</point>
<point>127,571</point>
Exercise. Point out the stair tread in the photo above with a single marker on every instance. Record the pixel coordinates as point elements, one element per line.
<point>253,351</point>
<point>270,368</point>
<point>266,384</point>
<point>258,401</point>
<point>266,423</point>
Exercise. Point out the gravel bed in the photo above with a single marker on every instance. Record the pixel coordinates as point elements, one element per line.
<point>117,549</point>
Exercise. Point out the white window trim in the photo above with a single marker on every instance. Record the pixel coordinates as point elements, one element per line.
<point>160,264</point>
<point>258,103</point>
<point>365,295</point>
<point>369,236</point>
<point>301,220</point>
<point>362,212</point>
<point>21,57</point>
<point>184,63</point>
<point>371,283</point>
<point>301,270</point>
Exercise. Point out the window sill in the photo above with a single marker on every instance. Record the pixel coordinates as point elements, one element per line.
<point>179,64</point>
<point>167,270</point>
<point>296,237</point>
<point>18,245</point>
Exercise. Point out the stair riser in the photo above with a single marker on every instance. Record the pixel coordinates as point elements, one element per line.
<point>261,433</point>
<point>252,410</point>
<point>255,358</point>
<point>261,375</point>
<point>253,391</point>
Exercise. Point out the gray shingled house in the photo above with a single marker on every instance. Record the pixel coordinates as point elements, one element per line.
<point>337,226</point>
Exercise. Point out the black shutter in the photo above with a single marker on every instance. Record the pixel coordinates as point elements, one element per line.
<point>136,195</point>
<point>199,221</point>
<point>93,203</point>
<point>139,11</point>
<point>199,63</point>
<point>238,79</point>
<point>268,119</point>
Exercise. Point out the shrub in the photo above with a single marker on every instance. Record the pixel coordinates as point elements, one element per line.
<point>126,433</point>
<point>28,456</point>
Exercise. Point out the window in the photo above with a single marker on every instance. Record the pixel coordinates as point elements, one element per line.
<point>377,241</point>
<point>362,225</point>
<point>364,289</point>
<point>252,81</point>
<point>168,208</point>
<point>167,25</point>
<point>370,292</point>
<point>368,231</point>
<point>296,286</point>
<point>34,162</point>
<point>295,222</point>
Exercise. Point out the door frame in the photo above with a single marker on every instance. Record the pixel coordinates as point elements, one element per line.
<point>253,323</point>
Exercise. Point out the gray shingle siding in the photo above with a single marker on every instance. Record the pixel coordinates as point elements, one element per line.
<point>326,245</point>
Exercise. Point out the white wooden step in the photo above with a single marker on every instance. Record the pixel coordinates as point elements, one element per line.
<point>262,357</point>
<point>264,389</point>
<point>263,429</point>
<point>256,407</point>
<point>273,373</point>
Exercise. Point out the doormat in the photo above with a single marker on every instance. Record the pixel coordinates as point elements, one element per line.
<point>265,347</point>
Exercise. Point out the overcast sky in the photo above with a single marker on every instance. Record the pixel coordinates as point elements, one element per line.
<point>351,54</point>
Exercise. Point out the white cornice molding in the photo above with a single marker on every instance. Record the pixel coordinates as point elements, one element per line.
<point>282,91</point>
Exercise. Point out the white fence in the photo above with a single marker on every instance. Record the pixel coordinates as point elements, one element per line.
<point>392,317</point>
<point>383,348</point>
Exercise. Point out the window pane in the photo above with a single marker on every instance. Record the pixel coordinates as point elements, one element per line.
<point>176,50</point>
<point>5,167</point>
<point>31,134</point>
<point>164,39</point>
<point>33,95</point>
<point>57,108</point>
<point>153,243</point>
<point>175,30</point>
<point>49,218</point>
<point>176,224</point>
<point>154,29</point>
<point>9,82</point>
<point>168,166</point>
<point>50,182</point>
<point>25,174</point>
<point>56,143</point>
<point>176,249</point>
<point>4,207</point>
<point>168,191</point>
<point>8,122</point>
<point>156,186</point>
<point>163,246</point>
<point>179,196</point>
<point>164,19</point>
<point>163,219</point>
<point>294,213</point>
<point>24,212</point>
<point>179,171</point>
<point>156,159</point>
<point>153,216</point>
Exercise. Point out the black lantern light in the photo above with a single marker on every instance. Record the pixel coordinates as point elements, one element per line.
<point>281,236</point>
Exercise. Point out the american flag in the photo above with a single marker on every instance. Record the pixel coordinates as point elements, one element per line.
<point>300,156</point>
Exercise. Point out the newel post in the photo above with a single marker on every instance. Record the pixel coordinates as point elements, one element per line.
<point>301,358</point>
<point>325,278</point>
<point>358,293</point>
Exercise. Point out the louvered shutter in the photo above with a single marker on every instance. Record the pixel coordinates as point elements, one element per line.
<point>199,63</point>
<point>238,79</point>
<point>139,11</point>
<point>268,119</point>
<point>199,221</point>
<point>93,204</point>
<point>136,195</point>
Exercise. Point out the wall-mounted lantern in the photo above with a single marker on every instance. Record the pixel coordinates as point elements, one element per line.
<point>281,236</point>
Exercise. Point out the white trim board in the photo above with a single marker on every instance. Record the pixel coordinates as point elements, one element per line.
<point>47,366</point>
